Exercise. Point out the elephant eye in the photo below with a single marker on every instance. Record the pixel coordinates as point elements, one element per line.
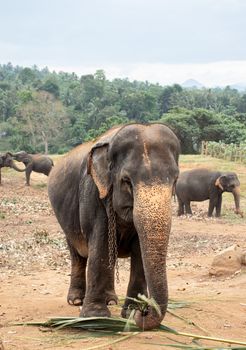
<point>126,180</point>
<point>126,185</point>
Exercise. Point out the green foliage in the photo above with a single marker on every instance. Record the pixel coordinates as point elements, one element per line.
<point>50,86</point>
<point>61,110</point>
<point>194,126</point>
<point>230,152</point>
<point>27,76</point>
<point>184,125</point>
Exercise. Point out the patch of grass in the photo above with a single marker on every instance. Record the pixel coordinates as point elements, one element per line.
<point>2,215</point>
<point>40,185</point>
<point>28,222</point>
<point>56,157</point>
<point>41,237</point>
<point>6,201</point>
<point>194,161</point>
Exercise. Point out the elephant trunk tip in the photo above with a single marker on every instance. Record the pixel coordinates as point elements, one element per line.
<point>147,320</point>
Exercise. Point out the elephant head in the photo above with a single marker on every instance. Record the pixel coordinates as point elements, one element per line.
<point>6,160</point>
<point>229,182</point>
<point>138,166</point>
<point>21,156</point>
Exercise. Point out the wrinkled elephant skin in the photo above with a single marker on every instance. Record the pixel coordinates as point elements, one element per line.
<point>120,185</point>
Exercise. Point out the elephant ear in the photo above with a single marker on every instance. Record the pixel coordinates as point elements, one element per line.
<point>220,182</point>
<point>98,168</point>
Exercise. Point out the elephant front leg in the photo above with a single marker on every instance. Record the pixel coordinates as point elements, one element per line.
<point>218,206</point>
<point>28,174</point>
<point>100,279</point>
<point>76,292</point>
<point>212,205</point>
<point>137,283</point>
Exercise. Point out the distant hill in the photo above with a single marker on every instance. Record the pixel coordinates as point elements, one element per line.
<point>194,84</point>
<point>191,84</point>
<point>239,87</point>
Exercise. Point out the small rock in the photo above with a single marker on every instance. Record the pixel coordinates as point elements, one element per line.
<point>227,262</point>
<point>227,325</point>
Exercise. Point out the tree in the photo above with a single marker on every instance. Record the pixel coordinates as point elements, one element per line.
<point>139,106</point>
<point>194,126</point>
<point>210,125</point>
<point>185,127</point>
<point>41,119</point>
<point>166,95</point>
<point>51,87</point>
<point>27,75</point>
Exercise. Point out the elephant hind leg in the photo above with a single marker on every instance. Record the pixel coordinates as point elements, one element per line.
<point>76,292</point>
<point>181,207</point>
<point>188,208</point>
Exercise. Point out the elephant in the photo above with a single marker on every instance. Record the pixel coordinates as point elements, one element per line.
<point>201,184</point>
<point>112,198</point>
<point>34,162</point>
<point>6,160</point>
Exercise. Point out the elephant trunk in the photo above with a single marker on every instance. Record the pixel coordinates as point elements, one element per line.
<point>152,219</point>
<point>236,194</point>
<point>12,165</point>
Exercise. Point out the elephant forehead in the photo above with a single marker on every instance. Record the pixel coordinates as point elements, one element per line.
<point>142,139</point>
<point>232,176</point>
<point>150,133</point>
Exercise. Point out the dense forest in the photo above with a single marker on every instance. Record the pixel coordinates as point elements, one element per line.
<point>43,111</point>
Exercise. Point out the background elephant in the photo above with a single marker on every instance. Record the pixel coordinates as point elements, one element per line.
<point>34,162</point>
<point>201,184</point>
<point>113,198</point>
<point>6,160</point>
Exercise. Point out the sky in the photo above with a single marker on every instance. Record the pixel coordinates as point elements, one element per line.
<point>164,41</point>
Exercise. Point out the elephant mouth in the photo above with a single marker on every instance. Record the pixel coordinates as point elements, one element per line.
<point>127,213</point>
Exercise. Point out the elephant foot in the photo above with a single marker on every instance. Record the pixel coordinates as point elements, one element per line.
<point>127,308</point>
<point>126,312</point>
<point>94,310</point>
<point>75,296</point>
<point>111,298</point>
<point>239,212</point>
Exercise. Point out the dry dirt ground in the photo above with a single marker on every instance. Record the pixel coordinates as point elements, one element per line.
<point>35,266</point>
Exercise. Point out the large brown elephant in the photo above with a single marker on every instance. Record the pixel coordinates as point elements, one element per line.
<point>6,160</point>
<point>201,184</point>
<point>112,197</point>
<point>34,162</point>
